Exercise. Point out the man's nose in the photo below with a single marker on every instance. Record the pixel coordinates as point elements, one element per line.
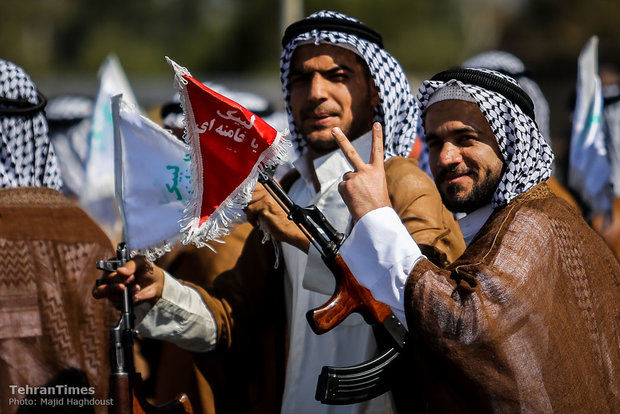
<point>318,87</point>
<point>450,154</point>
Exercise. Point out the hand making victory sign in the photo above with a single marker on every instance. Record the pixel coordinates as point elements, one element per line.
<point>365,188</point>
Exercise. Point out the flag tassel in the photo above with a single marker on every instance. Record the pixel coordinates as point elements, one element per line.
<point>228,197</point>
<point>230,212</point>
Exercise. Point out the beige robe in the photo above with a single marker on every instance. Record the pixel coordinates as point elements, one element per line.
<point>52,331</point>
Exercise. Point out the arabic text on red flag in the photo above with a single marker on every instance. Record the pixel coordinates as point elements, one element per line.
<point>229,144</point>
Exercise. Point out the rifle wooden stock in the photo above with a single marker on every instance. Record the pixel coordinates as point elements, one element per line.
<point>349,296</point>
<point>127,396</point>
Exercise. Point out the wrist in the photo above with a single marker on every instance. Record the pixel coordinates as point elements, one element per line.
<point>302,243</point>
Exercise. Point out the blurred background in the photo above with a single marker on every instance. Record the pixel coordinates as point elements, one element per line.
<point>62,43</point>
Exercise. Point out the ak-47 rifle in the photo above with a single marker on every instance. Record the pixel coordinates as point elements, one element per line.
<point>344,385</point>
<point>125,383</point>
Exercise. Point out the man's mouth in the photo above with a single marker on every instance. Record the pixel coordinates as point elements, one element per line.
<point>454,177</point>
<point>321,118</point>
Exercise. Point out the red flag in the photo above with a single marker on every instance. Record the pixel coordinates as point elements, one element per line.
<point>228,145</point>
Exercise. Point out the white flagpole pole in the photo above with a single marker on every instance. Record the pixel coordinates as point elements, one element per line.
<point>118,162</point>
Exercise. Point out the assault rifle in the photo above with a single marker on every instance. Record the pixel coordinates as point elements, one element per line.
<point>344,385</point>
<point>125,383</point>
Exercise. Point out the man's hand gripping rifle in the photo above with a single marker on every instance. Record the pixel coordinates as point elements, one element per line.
<point>343,385</point>
<point>125,382</point>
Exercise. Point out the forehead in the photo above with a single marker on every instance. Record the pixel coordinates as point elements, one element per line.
<point>453,111</point>
<point>325,54</point>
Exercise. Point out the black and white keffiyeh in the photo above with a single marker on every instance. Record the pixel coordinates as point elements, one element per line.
<point>510,65</point>
<point>527,156</point>
<point>27,158</point>
<point>397,111</point>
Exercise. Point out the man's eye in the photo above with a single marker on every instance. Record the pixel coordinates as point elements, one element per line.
<point>338,77</point>
<point>467,139</point>
<point>432,144</point>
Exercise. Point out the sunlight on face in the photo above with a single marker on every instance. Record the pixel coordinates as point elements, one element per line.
<point>463,154</point>
<point>330,87</point>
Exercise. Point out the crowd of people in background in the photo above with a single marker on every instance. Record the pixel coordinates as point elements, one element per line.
<point>507,282</point>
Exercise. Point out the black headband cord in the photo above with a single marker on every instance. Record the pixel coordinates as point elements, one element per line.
<point>330,24</point>
<point>21,106</point>
<point>493,83</point>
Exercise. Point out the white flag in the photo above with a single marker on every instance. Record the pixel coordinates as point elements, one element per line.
<point>98,195</point>
<point>589,168</point>
<point>153,182</point>
<point>611,117</point>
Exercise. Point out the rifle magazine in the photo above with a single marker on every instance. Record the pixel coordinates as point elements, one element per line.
<point>357,383</point>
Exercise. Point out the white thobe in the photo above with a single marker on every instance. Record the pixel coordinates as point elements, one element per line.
<point>351,342</point>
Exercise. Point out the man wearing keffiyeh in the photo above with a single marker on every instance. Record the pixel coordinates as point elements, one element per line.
<point>526,320</point>
<point>512,66</point>
<point>335,73</point>
<point>50,332</point>
<point>26,156</point>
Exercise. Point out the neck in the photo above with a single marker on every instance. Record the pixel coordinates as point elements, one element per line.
<point>311,155</point>
<point>472,222</point>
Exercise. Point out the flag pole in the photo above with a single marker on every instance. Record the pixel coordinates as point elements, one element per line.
<point>118,160</point>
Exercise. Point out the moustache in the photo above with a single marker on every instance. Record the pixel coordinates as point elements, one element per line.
<point>450,172</point>
<point>318,110</point>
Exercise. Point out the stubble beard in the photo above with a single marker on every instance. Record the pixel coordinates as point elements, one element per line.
<point>480,194</point>
<point>322,146</point>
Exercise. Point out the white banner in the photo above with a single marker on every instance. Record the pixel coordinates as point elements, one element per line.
<point>589,169</point>
<point>98,195</point>
<point>153,181</point>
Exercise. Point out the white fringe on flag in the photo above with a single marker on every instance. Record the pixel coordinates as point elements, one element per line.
<point>230,212</point>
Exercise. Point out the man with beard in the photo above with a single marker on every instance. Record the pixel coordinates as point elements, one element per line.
<point>510,65</point>
<point>526,320</point>
<point>335,73</point>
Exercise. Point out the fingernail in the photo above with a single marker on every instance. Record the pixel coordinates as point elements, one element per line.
<point>376,126</point>
<point>336,130</point>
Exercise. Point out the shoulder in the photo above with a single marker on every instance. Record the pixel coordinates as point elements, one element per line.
<point>538,219</point>
<point>42,197</point>
<point>403,176</point>
<point>542,204</point>
<point>399,166</point>
<point>538,230</point>
<point>49,214</point>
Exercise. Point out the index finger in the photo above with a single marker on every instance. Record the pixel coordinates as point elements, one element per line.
<point>347,149</point>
